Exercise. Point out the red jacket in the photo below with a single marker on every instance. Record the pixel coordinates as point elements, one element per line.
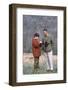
<point>36,47</point>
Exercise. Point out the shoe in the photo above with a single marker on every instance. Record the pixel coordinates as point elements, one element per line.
<point>51,69</point>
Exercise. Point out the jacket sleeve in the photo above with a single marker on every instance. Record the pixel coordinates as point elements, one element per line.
<point>52,43</point>
<point>42,44</point>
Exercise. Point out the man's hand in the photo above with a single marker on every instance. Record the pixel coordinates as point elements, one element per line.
<point>40,42</point>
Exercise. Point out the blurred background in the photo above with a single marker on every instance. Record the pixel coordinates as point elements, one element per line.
<point>35,23</point>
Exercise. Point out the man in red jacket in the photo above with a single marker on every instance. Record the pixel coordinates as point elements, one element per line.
<point>36,49</point>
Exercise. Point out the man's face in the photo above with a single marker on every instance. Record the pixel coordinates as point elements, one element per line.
<point>45,33</point>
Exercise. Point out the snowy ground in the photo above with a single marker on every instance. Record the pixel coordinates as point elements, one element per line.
<point>28,64</point>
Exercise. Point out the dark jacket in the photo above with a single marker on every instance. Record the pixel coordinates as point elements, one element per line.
<point>47,43</point>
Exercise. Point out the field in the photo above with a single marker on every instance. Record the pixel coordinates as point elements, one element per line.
<point>28,64</point>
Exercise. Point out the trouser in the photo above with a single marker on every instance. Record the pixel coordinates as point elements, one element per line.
<point>36,62</point>
<point>49,60</point>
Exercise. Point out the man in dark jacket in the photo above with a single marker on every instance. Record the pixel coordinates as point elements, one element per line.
<point>47,47</point>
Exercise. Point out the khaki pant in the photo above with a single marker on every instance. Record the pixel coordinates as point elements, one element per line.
<point>36,63</point>
<point>49,60</point>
